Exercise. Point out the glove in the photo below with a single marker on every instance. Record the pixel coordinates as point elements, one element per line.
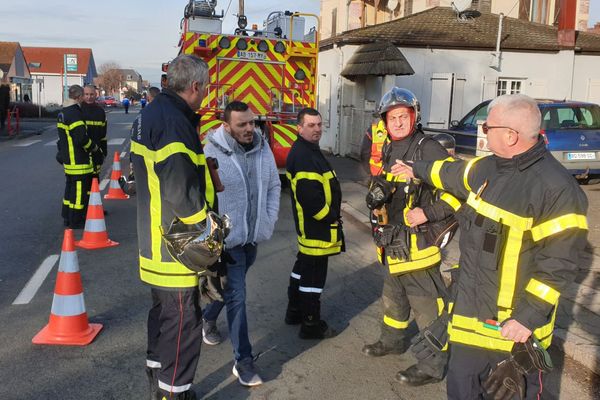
<point>97,156</point>
<point>384,235</point>
<point>505,381</point>
<point>399,247</point>
<point>429,342</point>
<point>380,192</point>
<point>508,378</point>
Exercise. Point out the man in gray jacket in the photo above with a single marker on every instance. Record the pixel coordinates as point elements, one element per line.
<point>251,199</point>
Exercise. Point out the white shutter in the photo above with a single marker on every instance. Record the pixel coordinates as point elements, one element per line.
<point>488,88</point>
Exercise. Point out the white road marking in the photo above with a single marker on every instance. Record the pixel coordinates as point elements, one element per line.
<point>51,143</point>
<point>123,154</point>
<point>116,141</point>
<point>26,143</point>
<point>36,280</point>
<point>103,184</point>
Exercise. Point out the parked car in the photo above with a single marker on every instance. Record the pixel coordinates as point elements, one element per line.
<point>107,101</point>
<point>571,128</point>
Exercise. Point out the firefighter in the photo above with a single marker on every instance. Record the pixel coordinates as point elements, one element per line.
<point>372,145</point>
<point>95,122</point>
<point>172,182</point>
<point>78,154</point>
<point>523,229</point>
<point>411,221</point>
<point>316,202</point>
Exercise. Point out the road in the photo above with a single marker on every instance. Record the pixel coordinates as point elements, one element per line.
<point>112,367</point>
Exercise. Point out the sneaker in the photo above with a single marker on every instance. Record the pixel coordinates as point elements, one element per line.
<point>246,372</point>
<point>210,333</point>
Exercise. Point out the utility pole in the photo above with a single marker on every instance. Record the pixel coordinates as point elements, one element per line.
<point>241,8</point>
<point>65,87</point>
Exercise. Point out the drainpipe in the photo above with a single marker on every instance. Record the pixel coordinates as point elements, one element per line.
<point>496,56</point>
<point>336,143</point>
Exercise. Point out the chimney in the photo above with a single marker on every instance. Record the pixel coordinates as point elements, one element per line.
<point>566,23</point>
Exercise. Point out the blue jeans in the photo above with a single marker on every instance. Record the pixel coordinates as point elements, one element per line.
<point>234,294</point>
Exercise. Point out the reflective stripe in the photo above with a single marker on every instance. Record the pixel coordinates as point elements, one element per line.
<point>295,276</point>
<point>69,127</point>
<point>194,219</point>
<point>173,389</point>
<point>167,274</point>
<point>557,225</point>
<point>87,145</point>
<point>78,169</point>
<point>68,262</point>
<point>95,123</point>
<point>394,323</point>
<point>155,211</point>
<point>543,291</point>
<point>498,214</point>
<point>436,180</point>
<point>450,200</point>
<point>467,169</point>
<point>79,194</point>
<point>68,305</point>
<point>322,214</point>
<point>153,364</point>
<point>509,267</point>
<point>420,259</point>
<point>95,199</point>
<point>114,184</point>
<point>162,154</point>
<point>73,206</point>
<point>95,225</point>
<point>310,289</point>
<point>440,304</point>
<point>391,178</point>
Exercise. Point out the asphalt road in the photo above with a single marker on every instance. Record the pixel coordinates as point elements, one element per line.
<point>112,367</point>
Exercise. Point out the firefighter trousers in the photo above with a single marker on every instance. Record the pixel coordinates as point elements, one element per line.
<point>174,337</point>
<point>469,367</point>
<point>75,201</point>
<point>418,291</point>
<point>307,281</point>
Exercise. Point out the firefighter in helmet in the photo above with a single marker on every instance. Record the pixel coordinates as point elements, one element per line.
<point>413,222</point>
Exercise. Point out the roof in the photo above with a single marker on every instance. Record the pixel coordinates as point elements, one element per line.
<point>439,27</point>
<point>130,72</point>
<point>377,59</point>
<point>51,59</point>
<point>7,55</point>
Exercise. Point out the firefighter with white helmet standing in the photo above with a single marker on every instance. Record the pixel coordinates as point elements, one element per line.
<point>413,221</point>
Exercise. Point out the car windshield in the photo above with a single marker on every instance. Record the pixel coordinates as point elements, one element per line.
<point>571,117</point>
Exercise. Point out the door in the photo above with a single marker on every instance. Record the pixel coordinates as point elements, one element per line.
<point>441,99</point>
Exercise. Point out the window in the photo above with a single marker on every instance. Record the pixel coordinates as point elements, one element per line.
<point>571,117</point>
<point>334,22</point>
<point>470,121</point>
<point>539,11</point>
<point>509,86</point>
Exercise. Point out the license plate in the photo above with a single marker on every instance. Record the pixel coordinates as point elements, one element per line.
<point>581,156</point>
<point>251,55</point>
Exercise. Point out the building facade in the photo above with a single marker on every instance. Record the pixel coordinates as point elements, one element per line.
<point>14,71</point>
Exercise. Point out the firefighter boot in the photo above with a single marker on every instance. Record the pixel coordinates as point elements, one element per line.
<point>187,395</point>
<point>391,341</point>
<point>152,374</point>
<point>293,314</point>
<point>413,376</point>
<point>314,328</point>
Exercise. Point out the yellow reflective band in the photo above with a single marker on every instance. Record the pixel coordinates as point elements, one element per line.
<point>318,247</point>
<point>155,211</point>
<point>78,169</point>
<point>375,164</point>
<point>435,172</point>
<point>543,291</point>
<point>391,178</point>
<point>394,323</point>
<point>420,259</point>
<point>450,307</point>
<point>195,218</point>
<point>450,200</point>
<point>509,267</point>
<point>497,214</point>
<point>470,331</point>
<point>467,170</point>
<point>440,304</point>
<point>558,225</point>
<point>280,140</point>
<point>69,127</point>
<point>162,154</point>
<point>95,123</point>
<point>88,144</point>
<point>166,274</point>
<point>78,194</point>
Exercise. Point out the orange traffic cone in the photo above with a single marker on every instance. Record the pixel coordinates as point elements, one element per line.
<point>68,319</point>
<point>114,189</point>
<point>94,233</point>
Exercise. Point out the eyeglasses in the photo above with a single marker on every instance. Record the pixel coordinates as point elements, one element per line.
<point>485,128</point>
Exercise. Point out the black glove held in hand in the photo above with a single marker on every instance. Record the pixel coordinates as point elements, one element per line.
<point>505,381</point>
<point>97,156</point>
<point>431,340</point>
<point>384,235</point>
<point>393,239</point>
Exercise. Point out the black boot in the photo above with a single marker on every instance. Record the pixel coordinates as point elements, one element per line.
<point>391,341</point>
<point>187,395</point>
<point>293,316</point>
<point>315,329</point>
<point>413,376</point>
<point>379,349</point>
<point>152,374</point>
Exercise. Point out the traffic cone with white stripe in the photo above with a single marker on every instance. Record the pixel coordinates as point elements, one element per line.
<point>114,189</point>
<point>94,233</point>
<point>68,323</point>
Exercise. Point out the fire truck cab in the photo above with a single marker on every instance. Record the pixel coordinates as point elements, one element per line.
<point>272,69</point>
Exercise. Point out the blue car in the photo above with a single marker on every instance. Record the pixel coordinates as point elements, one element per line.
<point>571,128</point>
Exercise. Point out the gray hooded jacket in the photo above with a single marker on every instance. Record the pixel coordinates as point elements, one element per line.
<point>252,187</point>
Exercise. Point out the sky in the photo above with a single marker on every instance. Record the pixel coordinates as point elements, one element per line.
<point>135,34</point>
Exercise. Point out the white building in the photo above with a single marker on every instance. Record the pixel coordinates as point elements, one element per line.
<point>455,68</point>
<point>47,66</point>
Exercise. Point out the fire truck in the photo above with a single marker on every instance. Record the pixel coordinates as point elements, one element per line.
<point>272,69</point>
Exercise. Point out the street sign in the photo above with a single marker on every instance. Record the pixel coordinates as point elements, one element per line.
<point>71,62</point>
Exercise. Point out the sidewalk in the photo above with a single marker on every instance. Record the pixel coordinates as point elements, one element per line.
<point>29,127</point>
<point>577,330</point>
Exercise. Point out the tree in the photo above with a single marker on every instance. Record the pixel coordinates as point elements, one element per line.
<point>110,77</point>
